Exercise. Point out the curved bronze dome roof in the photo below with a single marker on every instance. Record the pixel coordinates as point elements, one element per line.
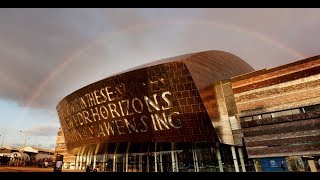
<point>169,100</point>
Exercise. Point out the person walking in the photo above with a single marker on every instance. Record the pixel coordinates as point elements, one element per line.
<point>89,168</point>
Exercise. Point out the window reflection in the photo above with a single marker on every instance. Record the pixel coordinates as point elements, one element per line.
<point>169,157</point>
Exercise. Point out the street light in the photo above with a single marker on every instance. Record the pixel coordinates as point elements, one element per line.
<point>2,140</point>
<point>25,141</point>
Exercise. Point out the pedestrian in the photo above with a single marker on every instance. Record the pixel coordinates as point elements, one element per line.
<point>283,167</point>
<point>88,169</point>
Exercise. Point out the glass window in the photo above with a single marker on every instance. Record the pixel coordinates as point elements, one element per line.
<point>109,162</point>
<point>120,163</point>
<point>185,161</point>
<point>295,111</point>
<point>133,163</point>
<point>166,161</point>
<point>276,114</point>
<point>207,160</point>
<point>286,113</point>
<point>265,116</point>
<point>248,118</point>
<point>257,117</point>
<point>309,108</point>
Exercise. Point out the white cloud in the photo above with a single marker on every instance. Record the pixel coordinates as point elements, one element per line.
<point>45,54</point>
<point>42,130</point>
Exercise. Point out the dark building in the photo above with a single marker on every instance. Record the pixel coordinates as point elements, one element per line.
<point>184,114</point>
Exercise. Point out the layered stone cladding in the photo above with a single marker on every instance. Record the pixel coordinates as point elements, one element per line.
<point>271,104</point>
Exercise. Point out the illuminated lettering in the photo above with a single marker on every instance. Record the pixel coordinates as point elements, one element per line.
<point>179,125</point>
<point>144,123</point>
<point>154,103</point>
<point>120,105</point>
<point>109,93</point>
<point>113,109</point>
<point>94,114</point>
<point>128,108</point>
<point>75,120</point>
<point>83,104</point>
<point>134,107</point>
<point>129,125</point>
<point>89,100</point>
<point>154,123</point>
<point>89,131</point>
<point>96,96</point>
<point>79,135</point>
<point>121,89</point>
<point>103,95</point>
<point>166,99</point>
<point>101,131</point>
<point>109,129</point>
<point>104,112</point>
<point>84,133</point>
<point>89,108</point>
<point>163,121</point>
<point>86,116</point>
<point>80,118</point>
<point>93,99</point>
<point>162,85</point>
<point>119,126</point>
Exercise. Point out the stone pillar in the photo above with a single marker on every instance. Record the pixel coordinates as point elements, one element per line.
<point>134,163</point>
<point>257,165</point>
<point>176,160</point>
<point>312,165</point>
<point>243,165</point>
<point>127,157</point>
<point>80,162</point>
<point>161,166</point>
<point>114,162</point>
<point>94,161</point>
<point>88,159</point>
<point>219,158</point>
<point>234,157</point>
<point>148,163</point>
<point>114,169</point>
<point>103,162</point>
<point>124,164</point>
<point>77,162</point>
<point>140,162</point>
<point>173,158</point>
<point>81,157</point>
<point>155,157</point>
<point>195,160</point>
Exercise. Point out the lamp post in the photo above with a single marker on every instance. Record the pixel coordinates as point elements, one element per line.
<point>25,142</point>
<point>2,140</point>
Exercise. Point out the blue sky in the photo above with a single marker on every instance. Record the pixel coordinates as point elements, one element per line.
<point>18,123</point>
<point>46,54</point>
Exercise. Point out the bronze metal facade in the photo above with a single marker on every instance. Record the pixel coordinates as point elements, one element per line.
<point>167,101</point>
<point>191,103</point>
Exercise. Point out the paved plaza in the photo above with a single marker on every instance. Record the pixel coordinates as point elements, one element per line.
<point>32,169</point>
